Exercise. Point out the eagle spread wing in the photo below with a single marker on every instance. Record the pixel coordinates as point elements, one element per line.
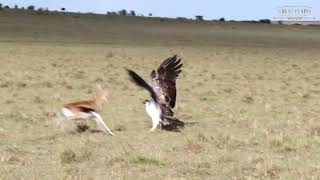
<point>163,82</point>
<point>142,83</point>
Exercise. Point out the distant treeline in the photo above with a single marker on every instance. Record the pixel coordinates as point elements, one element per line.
<point>46,11</point>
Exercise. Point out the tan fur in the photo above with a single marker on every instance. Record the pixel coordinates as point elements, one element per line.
<point>85,110</point>
<point>95,105</point>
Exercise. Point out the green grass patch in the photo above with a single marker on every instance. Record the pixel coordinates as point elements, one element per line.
<point>209,98</point>
<point>147,161</point>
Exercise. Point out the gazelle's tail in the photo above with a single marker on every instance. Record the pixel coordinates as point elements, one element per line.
<point>172,124</point>
<point>59,118</point>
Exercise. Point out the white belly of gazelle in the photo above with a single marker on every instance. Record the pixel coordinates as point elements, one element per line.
<point>81,115</point>
<point>69,115</point>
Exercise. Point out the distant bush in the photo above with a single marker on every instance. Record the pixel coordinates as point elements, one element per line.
<point>267,21</point>
<point>111,13</point>
<point>31,8</point>
<point>42,11</point>
<point>222,19</point>
<point>132,13</point>
<point>123,12</point>
<point>199,18</point>
<point>182,19</point>
<point>252,21</point>
<point>0,6</point>
<point>150,14</point>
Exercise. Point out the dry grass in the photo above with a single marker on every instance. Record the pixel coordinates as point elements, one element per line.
<point>249,94</point>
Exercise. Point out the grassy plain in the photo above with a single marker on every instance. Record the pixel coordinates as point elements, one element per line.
<point>250,94</point>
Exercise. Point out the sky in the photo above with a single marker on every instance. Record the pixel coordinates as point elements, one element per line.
<point>210,9</point>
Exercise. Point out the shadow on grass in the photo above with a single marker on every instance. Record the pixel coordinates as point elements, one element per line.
<point>81,128</point>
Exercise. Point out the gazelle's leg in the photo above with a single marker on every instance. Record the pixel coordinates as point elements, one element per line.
<point>99,120</point>
<point>64,120</point>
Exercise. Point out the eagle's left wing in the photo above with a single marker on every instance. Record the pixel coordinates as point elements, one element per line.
<point>163,81</point>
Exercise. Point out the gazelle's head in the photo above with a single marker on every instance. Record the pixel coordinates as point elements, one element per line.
<point>102,94</point>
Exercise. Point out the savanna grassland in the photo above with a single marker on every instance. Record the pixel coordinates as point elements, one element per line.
<point>249,93</point>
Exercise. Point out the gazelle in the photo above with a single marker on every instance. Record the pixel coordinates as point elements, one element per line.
<point>85,110</point>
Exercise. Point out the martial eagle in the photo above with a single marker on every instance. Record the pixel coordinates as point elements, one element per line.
<point>162,89</point>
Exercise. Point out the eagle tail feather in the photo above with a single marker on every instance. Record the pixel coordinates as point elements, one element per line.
<point>172,124</point>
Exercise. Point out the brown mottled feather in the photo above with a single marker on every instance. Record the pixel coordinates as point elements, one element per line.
<point>163,81</point>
